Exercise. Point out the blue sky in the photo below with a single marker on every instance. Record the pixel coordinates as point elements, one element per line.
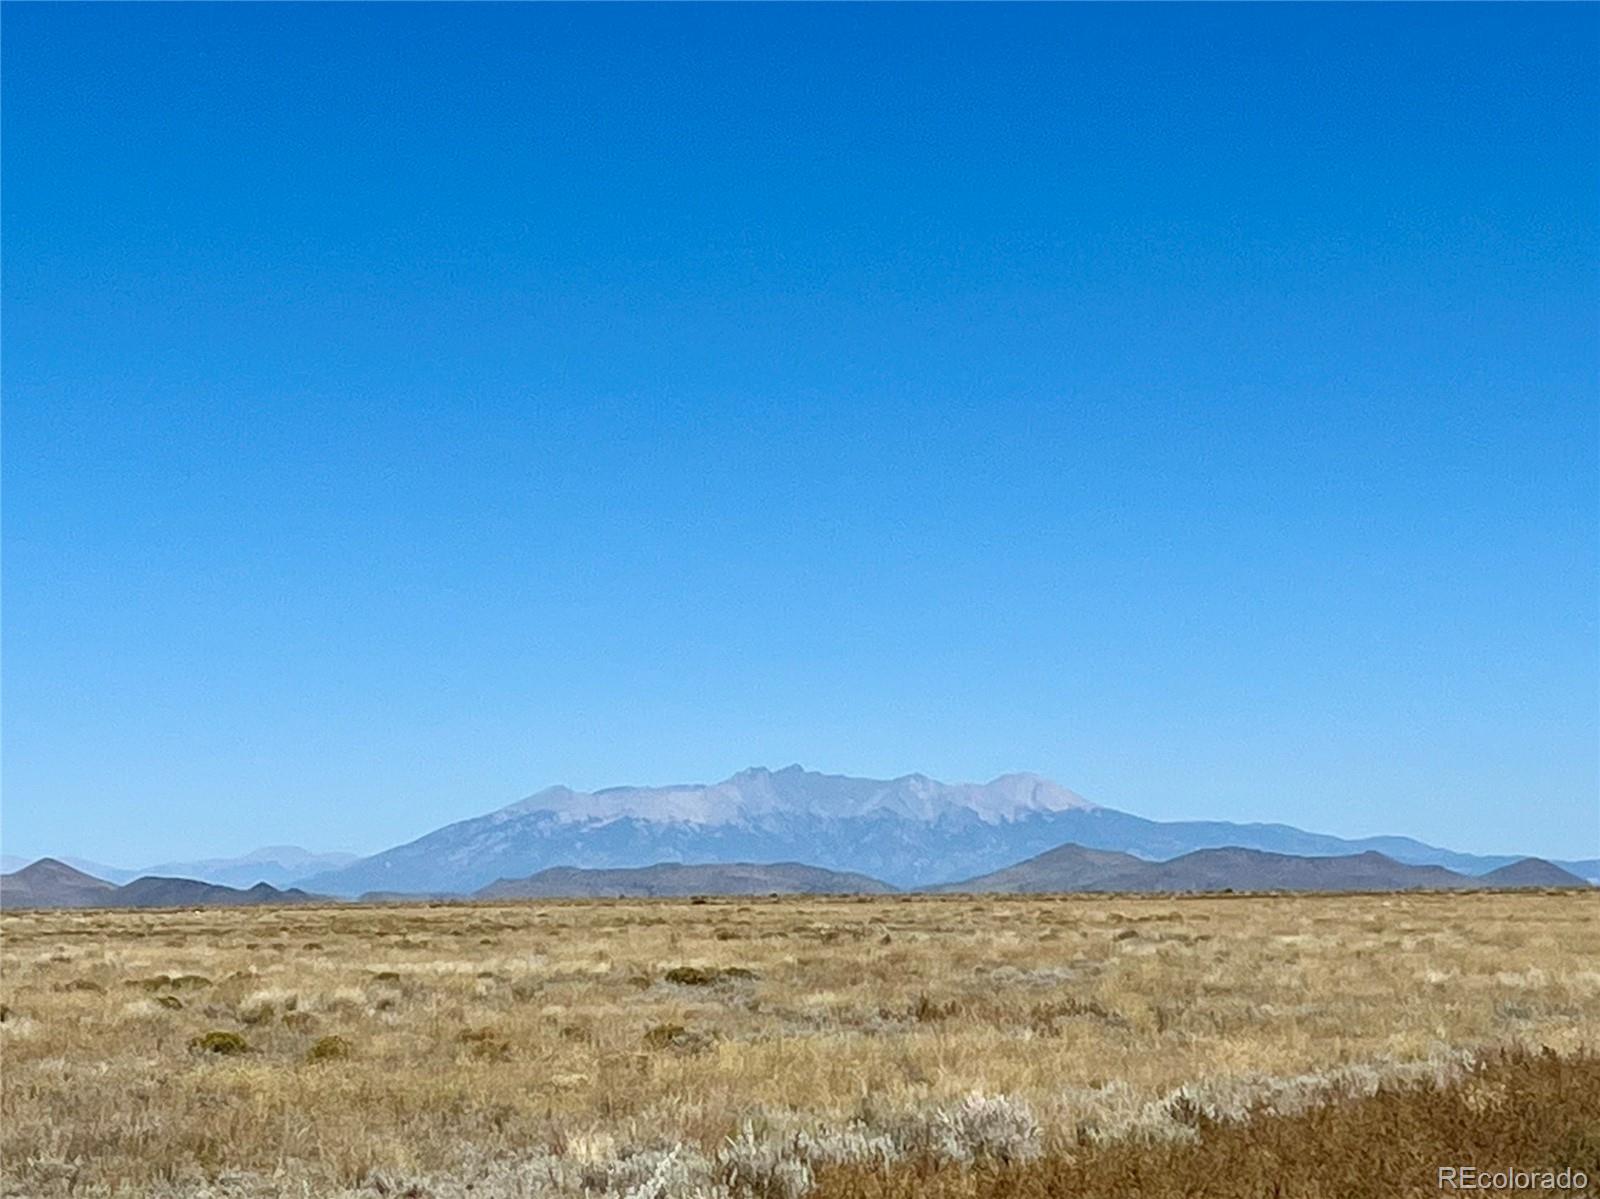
<point>409,407</point>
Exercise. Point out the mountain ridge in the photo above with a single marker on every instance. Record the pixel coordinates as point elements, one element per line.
<point>1066,869</point>
<point>1069,868</point>
<point>908,831</point>
<point>279,865</point>
<point>668,879</point>
<point>1231,868</point>
<point>51,883</point>
<point>1531,872</point>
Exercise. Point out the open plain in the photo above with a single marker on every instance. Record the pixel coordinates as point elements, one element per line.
<point>885,1045</point>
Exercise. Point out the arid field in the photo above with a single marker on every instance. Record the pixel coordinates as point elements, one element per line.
<point>1027,1046</point>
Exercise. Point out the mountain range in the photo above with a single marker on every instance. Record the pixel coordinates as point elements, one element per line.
<point>1075,868</point>
<point>1066,868</point>
<point>49,883</point>
<point>279,865</point>
<point>909,831</point>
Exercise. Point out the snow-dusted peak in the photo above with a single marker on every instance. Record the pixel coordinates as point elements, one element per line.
<point>756,792</point>
<point>1013,795</point>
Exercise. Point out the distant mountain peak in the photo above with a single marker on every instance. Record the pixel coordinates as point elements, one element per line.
<point>911,830</point>
<point>55,868</point>
<point>757,792</point>
<point>1531,872</point>
<point>280,865</point>
<point>904,829</point>
<point>50,882</point>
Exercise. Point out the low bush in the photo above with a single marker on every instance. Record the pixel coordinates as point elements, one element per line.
<point>227,1044</point>
<point>705,976</point>
<point>664,1036</point>
<point>82,984</point>
<point>168,982</point>
<point>330,1049</point>
<point>485,1044</point>
<point>691,976</point>
<point>677,1038</point>
<point>928,1011</point>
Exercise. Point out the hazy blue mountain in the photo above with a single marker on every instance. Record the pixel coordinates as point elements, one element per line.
<point>909,831</point>
<point>111,874</point>
<point>277,865</point>
<point>1588,869</point>
<point>901,830</point>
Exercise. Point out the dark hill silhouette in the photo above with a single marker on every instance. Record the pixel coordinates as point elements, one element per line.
<point>1530,872</point>
<point>1255,870</point>
<point>1074,868</point>
<point>678,879</point>
<point>156,892</point>
<point>48,883</point>
<point>1068,867</point>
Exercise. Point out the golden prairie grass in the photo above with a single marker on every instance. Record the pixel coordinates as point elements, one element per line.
<point>615,1047</point>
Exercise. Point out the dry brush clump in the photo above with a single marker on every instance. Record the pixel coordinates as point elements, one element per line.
<point>746,1046</point>
<point>330,1049</point>
<point>1387,1144</point>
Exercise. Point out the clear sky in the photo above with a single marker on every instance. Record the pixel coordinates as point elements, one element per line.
<point>406,408</point>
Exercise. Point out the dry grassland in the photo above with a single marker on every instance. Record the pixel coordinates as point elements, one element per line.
<point>776,1047</point>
